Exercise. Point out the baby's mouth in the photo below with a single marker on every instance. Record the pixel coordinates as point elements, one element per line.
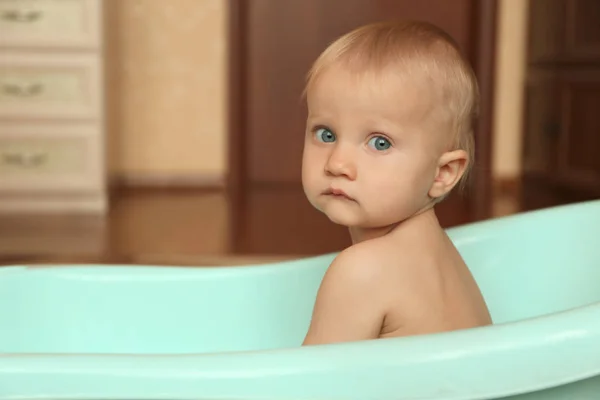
<point>337,193</point>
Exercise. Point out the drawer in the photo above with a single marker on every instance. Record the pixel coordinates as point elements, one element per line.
<point>49,85</point>
<point>50,23</point>
<point>50,157</point>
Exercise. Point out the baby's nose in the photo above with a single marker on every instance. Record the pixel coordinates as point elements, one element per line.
<point>341,162</point>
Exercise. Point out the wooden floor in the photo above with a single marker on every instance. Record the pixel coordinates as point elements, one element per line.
<point>154,226</point>
<point>178,227</point>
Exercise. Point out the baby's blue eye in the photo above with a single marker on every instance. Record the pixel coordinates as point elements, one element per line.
<point>380,143</point>
<point>325,135</point>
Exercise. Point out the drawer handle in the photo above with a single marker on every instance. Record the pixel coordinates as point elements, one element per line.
<point>22,16</point>
<point>23,91</point>
<point>25,160</point>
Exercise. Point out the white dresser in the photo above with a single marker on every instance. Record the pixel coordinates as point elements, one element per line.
<point>52,129</point>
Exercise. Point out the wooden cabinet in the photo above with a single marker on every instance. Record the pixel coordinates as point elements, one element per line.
<point>50,23</point>
<point>51,106</point>
<point>564,31</point>
<point>562,104</point>
<point>542,105</point>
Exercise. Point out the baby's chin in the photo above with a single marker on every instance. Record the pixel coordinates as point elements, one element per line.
<point>344,217</point>
<point>342,220</point>
<point>350,213</point>
<point>358,218</point>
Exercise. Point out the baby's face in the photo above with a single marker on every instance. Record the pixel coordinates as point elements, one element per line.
<point>370,153</point>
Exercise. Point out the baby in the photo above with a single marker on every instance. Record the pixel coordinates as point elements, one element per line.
<point>389,134</point>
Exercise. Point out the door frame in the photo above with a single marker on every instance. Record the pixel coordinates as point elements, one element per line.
<point>484,12</point>
<point>485,22</point>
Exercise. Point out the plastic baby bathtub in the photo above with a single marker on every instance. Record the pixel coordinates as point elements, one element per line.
<point>131,332</point>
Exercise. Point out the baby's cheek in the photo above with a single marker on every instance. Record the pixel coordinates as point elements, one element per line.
<point>391,182</point>
<point>390,192</point>
<point>309,171</point>
<point>397,192</point>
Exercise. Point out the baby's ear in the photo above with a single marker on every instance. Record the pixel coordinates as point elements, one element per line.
<point>451,167</point>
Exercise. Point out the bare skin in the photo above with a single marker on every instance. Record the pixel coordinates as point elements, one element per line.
<point>374,161</point>
<point>410,281</point>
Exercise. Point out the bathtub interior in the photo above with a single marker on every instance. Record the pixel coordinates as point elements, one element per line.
<point>527,265</point>
<point>536,263</point>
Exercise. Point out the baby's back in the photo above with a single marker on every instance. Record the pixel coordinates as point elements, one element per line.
<point>430,287</point>
<point>410,281</point>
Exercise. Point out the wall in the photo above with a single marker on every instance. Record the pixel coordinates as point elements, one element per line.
<point>510,75</point>
<point>167,88</point>
<point>166,66</point>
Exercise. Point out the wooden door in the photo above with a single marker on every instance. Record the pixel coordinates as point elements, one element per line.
<point>273,44</point>
<point>561,134</point>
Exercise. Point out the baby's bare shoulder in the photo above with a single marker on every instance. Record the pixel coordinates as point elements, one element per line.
<point>372,257</point>
<point>399,268</point>
<point>350,304</point>
<point>371,264</point>
<point>362,271</point>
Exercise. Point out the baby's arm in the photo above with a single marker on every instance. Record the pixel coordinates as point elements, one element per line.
<point>350,303</point>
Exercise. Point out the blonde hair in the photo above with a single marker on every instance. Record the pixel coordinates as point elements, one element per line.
<point>413,44</point>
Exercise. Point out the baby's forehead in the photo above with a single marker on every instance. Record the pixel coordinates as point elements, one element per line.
<point>393,95</point>
<point>399,72</point>
<point>394,86</point>
<point>405,60</point>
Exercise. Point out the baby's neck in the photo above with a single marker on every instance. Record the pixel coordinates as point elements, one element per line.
<point>360,234</point>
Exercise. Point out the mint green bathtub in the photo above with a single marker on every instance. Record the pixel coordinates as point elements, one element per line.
<point>136,333</point>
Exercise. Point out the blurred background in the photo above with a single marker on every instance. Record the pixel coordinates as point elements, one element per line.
<point>170,131</point>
